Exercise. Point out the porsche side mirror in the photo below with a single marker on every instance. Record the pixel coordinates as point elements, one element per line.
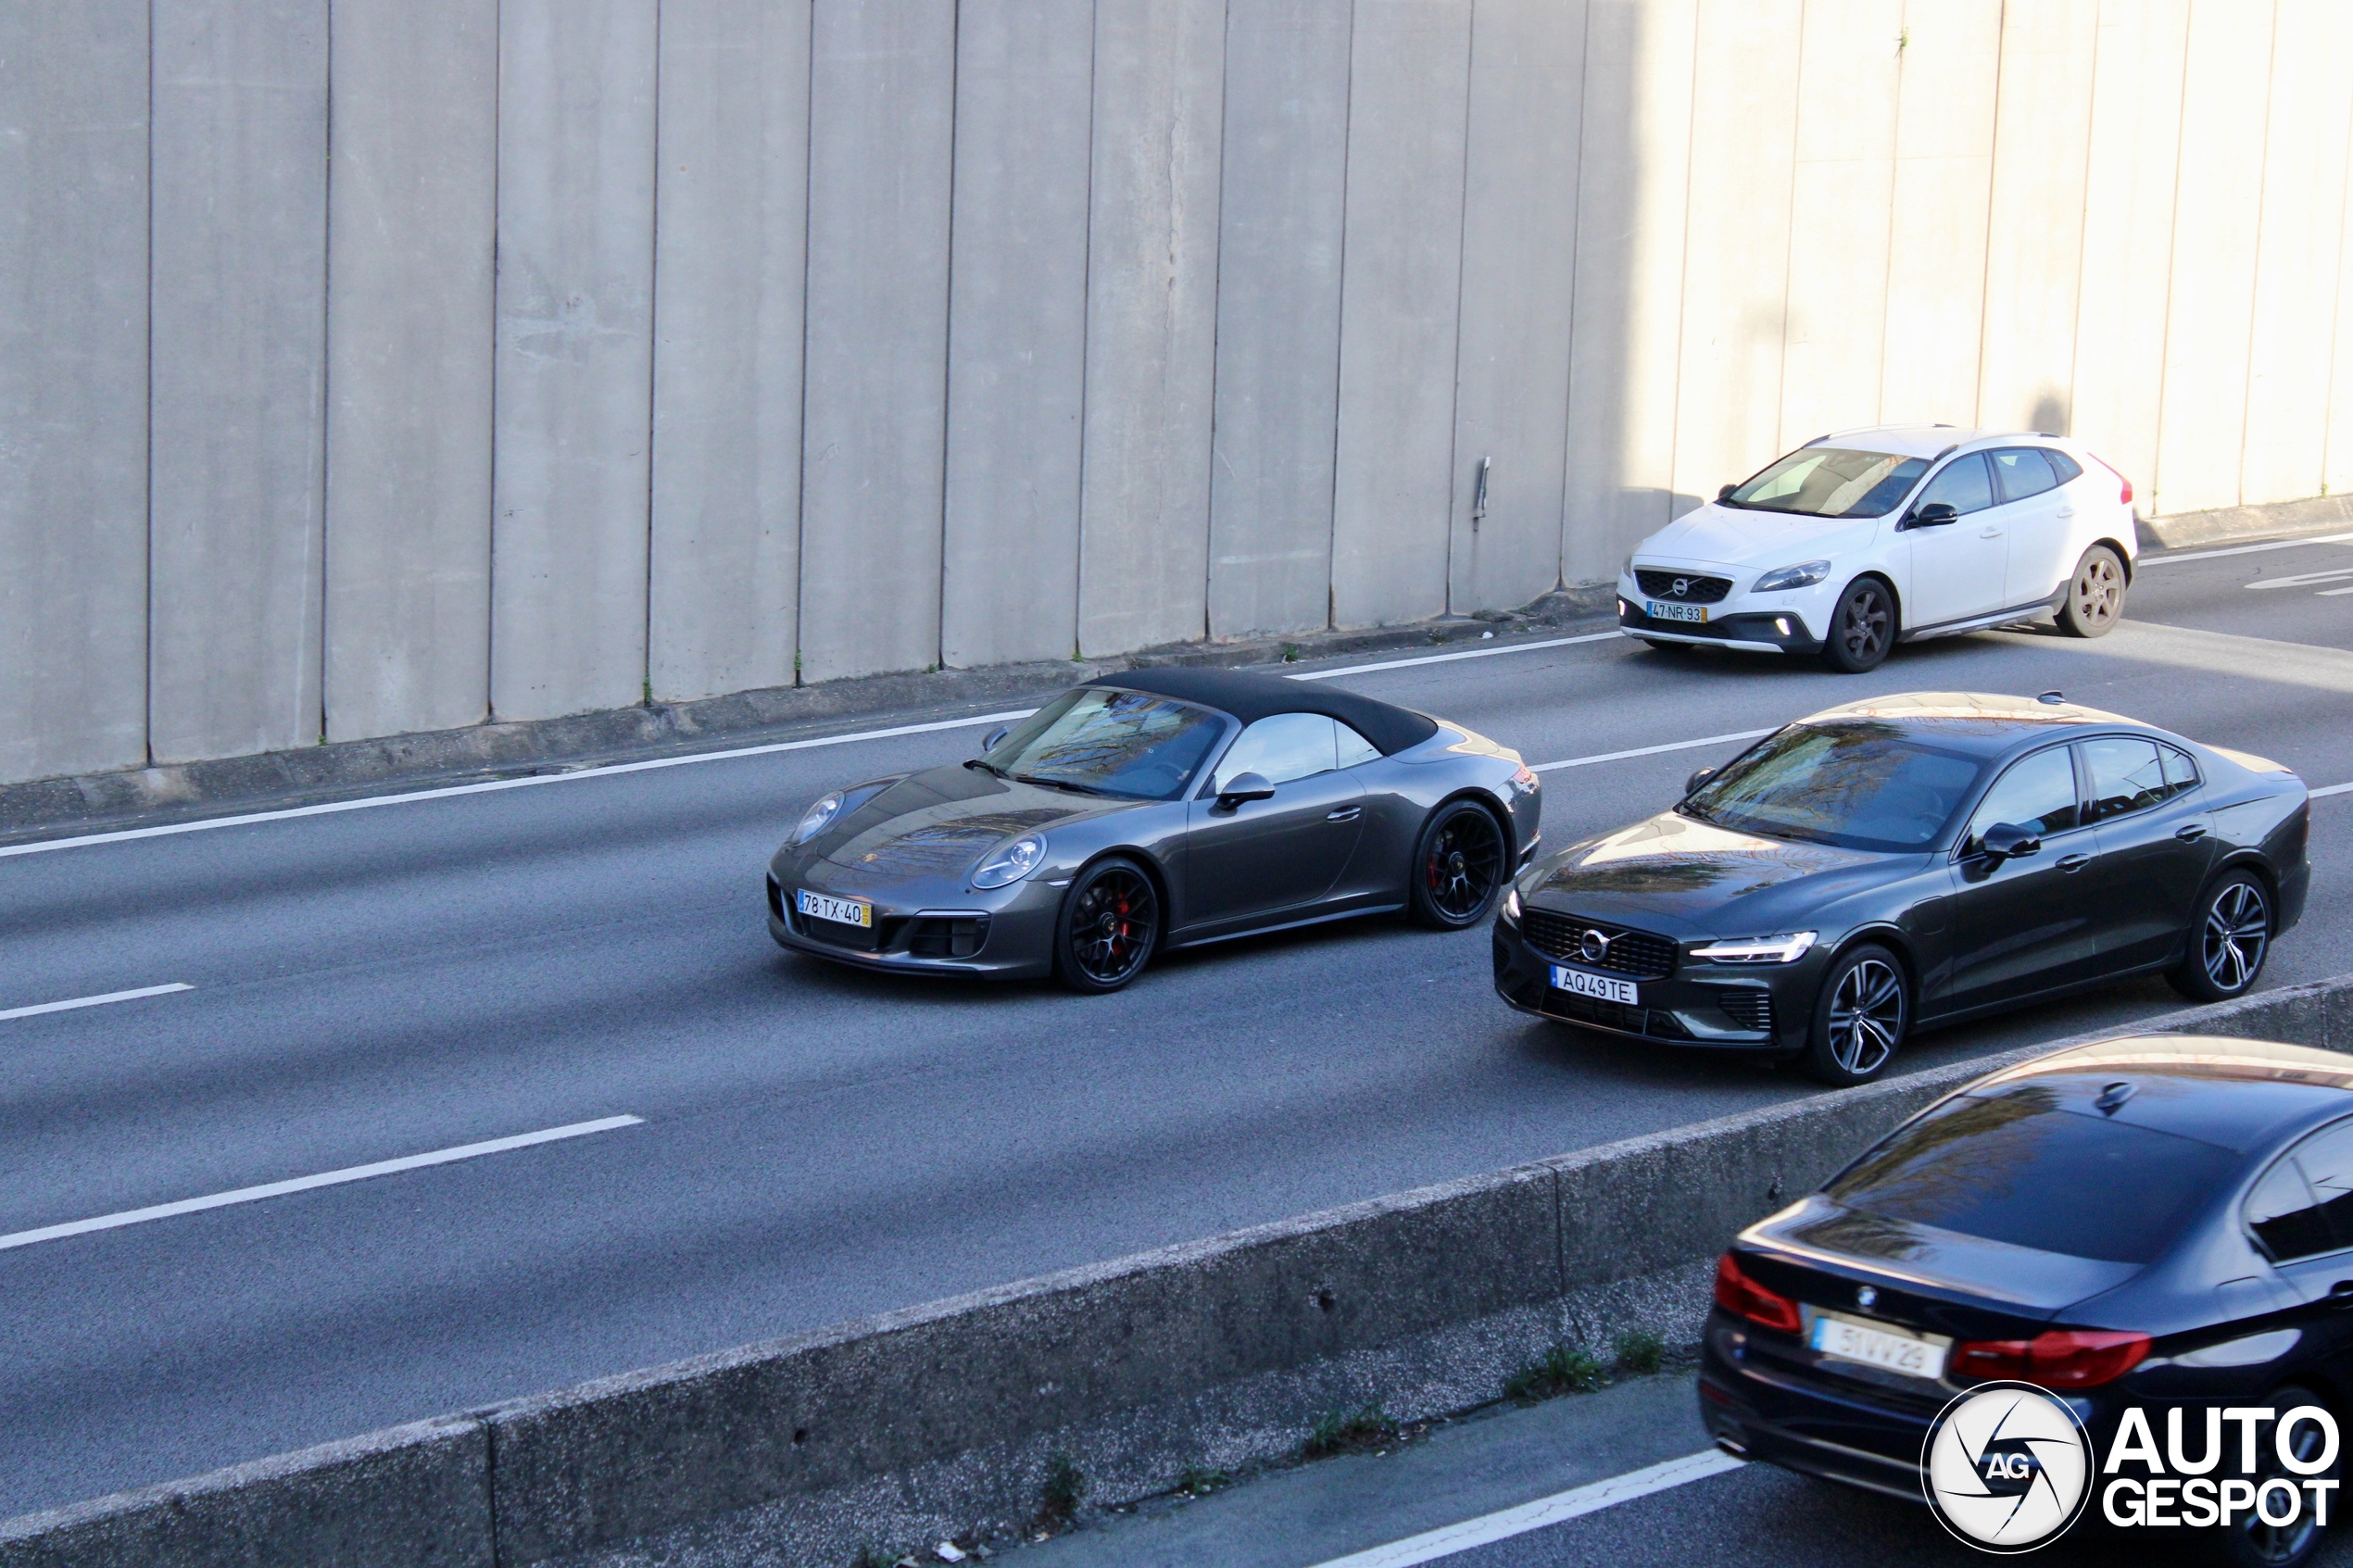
<point>1691,784</point>
<point>1241,787</point>
<point>2008,841</point>
<point>1936,514</point>
<point>988,742</point>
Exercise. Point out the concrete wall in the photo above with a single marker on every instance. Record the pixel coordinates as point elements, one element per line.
<point>1212,1354</point>
<point>667,349</point>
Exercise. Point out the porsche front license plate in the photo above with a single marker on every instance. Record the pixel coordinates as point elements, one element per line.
<point>1660,609</point>
<point>844,911</point>
<point>1601,987</point>
<point>1850,1339</point>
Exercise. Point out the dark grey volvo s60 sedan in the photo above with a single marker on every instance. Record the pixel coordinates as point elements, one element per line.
<point>1908,860</point>
<point>1154,809</point>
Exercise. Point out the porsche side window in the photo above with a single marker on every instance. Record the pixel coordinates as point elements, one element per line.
<point>2126,776</point>
<point>2037,792</point>
<point>1353,747</point>
<point>1282,747</point>
<point>1961,484</point>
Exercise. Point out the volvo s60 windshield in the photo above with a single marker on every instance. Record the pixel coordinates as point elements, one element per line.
<point>1831,481</point>
<point>1861,785</point>
<point>1101,741</point>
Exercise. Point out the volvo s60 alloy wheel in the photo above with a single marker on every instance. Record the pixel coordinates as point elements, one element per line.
<point>2233,936</point>
<point>1861,1021</point>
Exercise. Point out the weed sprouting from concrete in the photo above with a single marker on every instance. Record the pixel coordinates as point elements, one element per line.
<point>1065,1489</point>
<point>1640,1351</point>
<point>1198,1481</point>
<point>1343,1432</point>
<point>1564,1369</point>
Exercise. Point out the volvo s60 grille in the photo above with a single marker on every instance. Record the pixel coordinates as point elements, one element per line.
<point>1636,953</point>
<point>1688,587</point>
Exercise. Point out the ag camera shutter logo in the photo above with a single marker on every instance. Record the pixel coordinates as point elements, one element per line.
<point>2007,1467</point>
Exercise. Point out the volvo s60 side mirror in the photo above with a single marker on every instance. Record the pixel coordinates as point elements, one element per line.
<point>1690,786</point>
<point>1241,787</point>
<point>988,742</point>
<point>2009,841</point>
<point>1936,514</point>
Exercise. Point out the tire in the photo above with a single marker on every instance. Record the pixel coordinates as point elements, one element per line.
<point>1108,927</point>
<point>1460,866</point>
<point>1863,628</point>
<point>2250,1543</point>
<point>2094,600</point>
<point>2228,941</point>
<point>1860,1018</point>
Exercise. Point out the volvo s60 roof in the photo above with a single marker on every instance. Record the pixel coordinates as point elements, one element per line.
<point>1251,697</point>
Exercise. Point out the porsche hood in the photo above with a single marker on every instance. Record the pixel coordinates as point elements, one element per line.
<point>937,822</point>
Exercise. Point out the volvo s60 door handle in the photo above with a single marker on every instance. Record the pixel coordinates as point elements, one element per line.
<point>2190,833</point>
<point>1345,814</point>
<point>2074,862</point>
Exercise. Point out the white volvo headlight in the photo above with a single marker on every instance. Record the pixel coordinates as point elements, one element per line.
<point>1009,862</point>
<point>1787,948</point>
<point>1803,575</point>
<point>813,821</point>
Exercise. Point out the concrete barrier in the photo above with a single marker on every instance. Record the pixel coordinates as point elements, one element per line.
<point>943,1419</point>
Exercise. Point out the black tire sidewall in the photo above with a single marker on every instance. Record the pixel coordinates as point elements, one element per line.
<point>2190,977</point>
<point>1833,647</point>
<point>1420,908</point>
<point>1067,970</point>
<point>2283,1400</point>
<point>1817,1059</point>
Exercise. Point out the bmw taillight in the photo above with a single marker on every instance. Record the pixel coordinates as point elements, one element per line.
<point>2058,1358</point>
<point>2125,498</point>
<point>1743,1298</point>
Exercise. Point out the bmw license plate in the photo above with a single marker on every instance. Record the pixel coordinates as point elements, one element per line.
<point>1601,987</point>
<point>843,911</point>
<point>1660,609</point>
<point>1852,1339</point>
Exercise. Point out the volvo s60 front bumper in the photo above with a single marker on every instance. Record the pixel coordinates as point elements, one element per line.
<point>1763,1009</point>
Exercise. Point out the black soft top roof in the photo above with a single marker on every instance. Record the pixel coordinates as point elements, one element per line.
<point>1251,697</point>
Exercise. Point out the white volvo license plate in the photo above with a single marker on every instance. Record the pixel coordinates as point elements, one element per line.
<point>1601,987</point>
<point>846,911</point>
<point>1852,1339</point>
<point>1661,609</point>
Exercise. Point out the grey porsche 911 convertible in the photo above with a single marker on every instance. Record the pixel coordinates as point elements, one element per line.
<point>1151,809</point>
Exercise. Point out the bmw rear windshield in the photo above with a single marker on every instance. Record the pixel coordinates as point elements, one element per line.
<point>1859,784</point>
<point>2018,1166</point>
<point>1831,481</point>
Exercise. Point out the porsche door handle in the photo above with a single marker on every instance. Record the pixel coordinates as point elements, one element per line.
<point>2074,862</point>
<point>1345,814</point>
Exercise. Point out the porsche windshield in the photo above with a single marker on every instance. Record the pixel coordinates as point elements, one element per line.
<point>1103,741</point>
<point>1831,481</point>
<point>1859,786</point>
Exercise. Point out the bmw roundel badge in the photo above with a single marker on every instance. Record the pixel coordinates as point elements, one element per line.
<point>1866,1297</point>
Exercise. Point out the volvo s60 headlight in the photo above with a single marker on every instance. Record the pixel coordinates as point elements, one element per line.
<point>813,821</point>
<point>1803,575</point>
<point>1787,948</point>
<point>1009,862</point>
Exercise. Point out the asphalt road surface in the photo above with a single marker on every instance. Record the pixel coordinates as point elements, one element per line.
<point>813,1144</point>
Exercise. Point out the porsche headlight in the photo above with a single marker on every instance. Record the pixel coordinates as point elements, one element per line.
<point>813,821</point>
<point>1787,948</point>
<point>1009,862</point>
<point>1803,575</point>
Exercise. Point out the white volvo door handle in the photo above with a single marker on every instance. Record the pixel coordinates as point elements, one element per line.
<point>1991,533</point>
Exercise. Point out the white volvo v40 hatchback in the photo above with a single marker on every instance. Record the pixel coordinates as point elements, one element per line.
<point>1867,538</point>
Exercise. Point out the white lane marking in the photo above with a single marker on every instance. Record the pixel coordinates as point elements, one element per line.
<point>1557,1509</point>
<point>1450,657</point>
<point>324,1179</point>
<point>328,808</point>
<point>96,1001</point>
<point>2301,579</point>
<point>2170,557</point>
<point>1649,750</point>
<point>2332,592</point>
<point>2333,790</point>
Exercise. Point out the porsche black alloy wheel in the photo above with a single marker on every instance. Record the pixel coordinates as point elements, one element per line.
<point>2232,938</point>
<point>1458,867</point>
<point>1860,1018</point>
<point>1110,926</point>
<point>1862,627</point>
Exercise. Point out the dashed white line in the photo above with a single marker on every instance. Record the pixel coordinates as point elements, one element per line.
<point>97,1001</point>
<point>324,1179</point>
<point>1608,636</point>
<point>2303,579</point>
<point>2170,557</point>
<point>1557,1509</point>
<point>1649,750</point>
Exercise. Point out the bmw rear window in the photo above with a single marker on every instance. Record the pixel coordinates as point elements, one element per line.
<point>2016,1167</point>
